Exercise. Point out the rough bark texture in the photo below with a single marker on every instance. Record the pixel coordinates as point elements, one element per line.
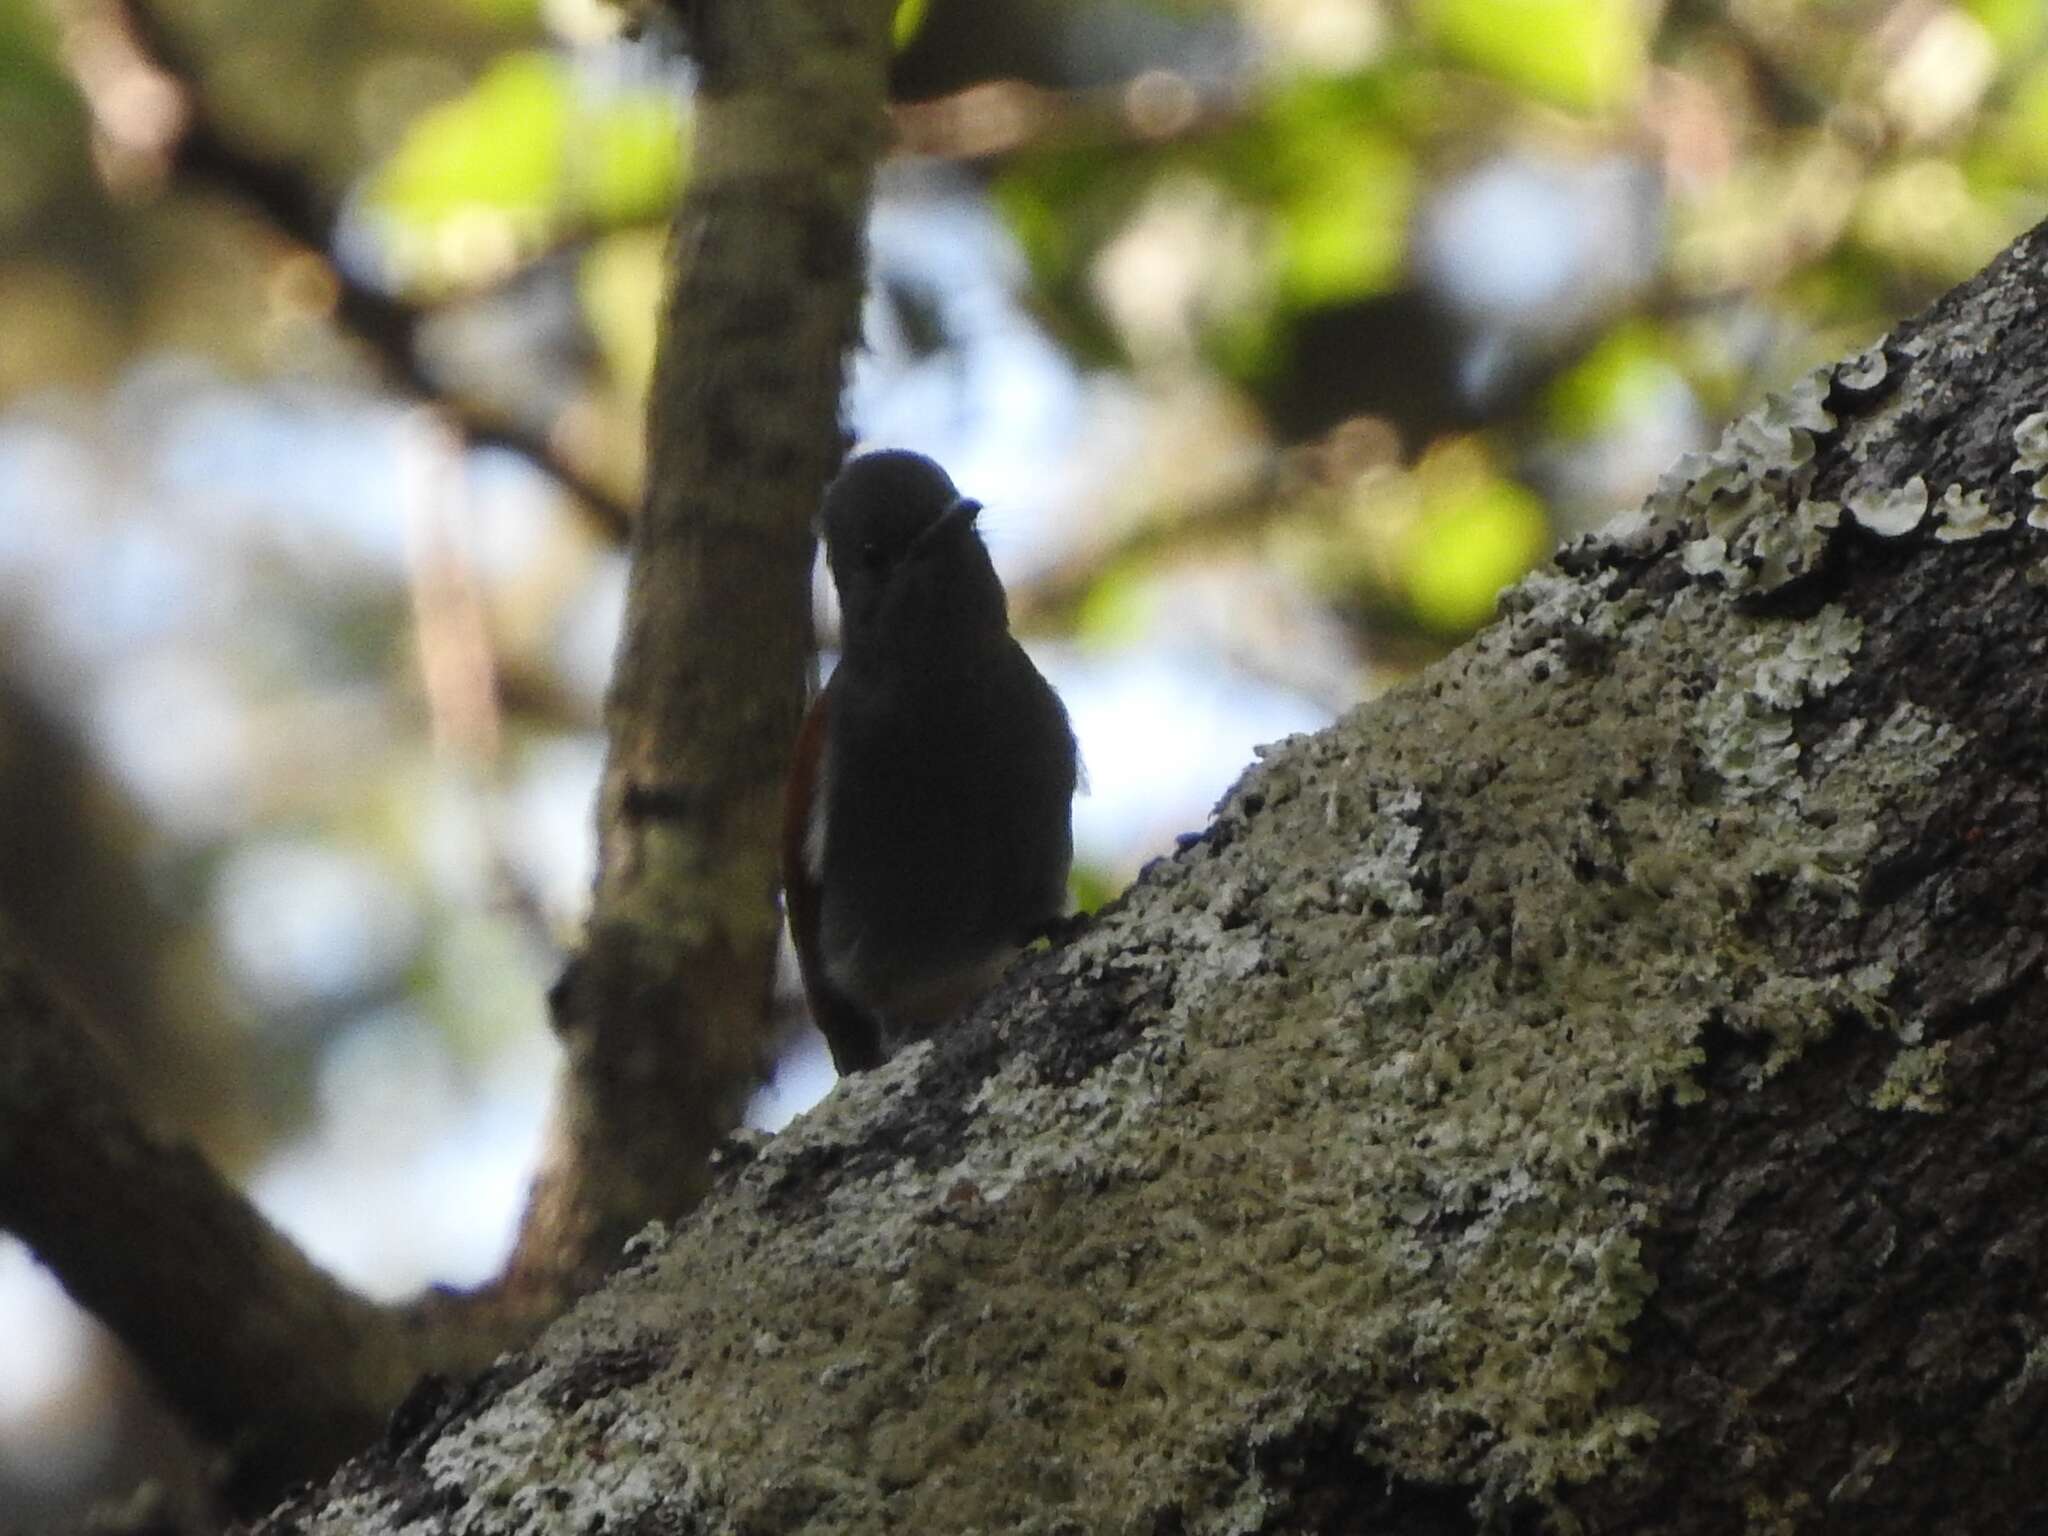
<point>1602,1086</point>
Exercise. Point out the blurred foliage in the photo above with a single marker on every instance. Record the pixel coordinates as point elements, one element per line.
<point>1358,306</point>
<point>1583,55</point>
<point>520,161</point>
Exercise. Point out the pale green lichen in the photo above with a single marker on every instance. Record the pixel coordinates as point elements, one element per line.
<point>1967,514</point>
<point>1382,877</point>
<point>1758,528</point>
<point>1761,530</point>
<point>1890,511</point>
<point>1866,370</point>
<point>1916,1080</point>
<point>1745,725</point>
<point>2030,439</point>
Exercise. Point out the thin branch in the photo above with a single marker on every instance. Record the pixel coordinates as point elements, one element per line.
<point>1003,117</point>
<point>198,149</point>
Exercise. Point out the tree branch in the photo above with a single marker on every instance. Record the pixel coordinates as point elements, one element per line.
<point>665,1012</point>
<point>1004,117</point>
<point>1599,1087</point>
<point>257,1347</point>
<point>201,151</point>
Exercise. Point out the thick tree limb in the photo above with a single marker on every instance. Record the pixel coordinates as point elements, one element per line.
<point>1601,1086</point>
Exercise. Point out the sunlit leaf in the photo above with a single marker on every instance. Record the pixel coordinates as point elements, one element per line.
<point>2016,26</point>
<point>1345,229</point>
<point>519,158</point>
<point>1585,54</point>
<point>1474,537</point>
<point>910,16</point>
<point>620,285</point>
<point>1624,369</point>
<point>1326,159</point>
<point>42,122</point>
<point>498,147</point>
<point>2025,135</point>
<point>629,159</point>
<point>1120,606</point>
<point>505,12</point>
<point>1925,215</point>
<point>1091,887</point>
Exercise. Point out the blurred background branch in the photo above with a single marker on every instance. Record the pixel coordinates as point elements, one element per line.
<point>259,1351</point>
<point>151,109</point>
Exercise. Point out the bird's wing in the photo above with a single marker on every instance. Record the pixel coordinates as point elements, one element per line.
<point>854,1035</point>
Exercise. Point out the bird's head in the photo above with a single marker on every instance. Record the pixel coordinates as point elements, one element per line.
<point>905,554</point>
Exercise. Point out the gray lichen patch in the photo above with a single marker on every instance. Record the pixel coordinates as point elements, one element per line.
<point>1866,370</point>
<point>1427,976</point>
<point>1890,511</point>
<point>1761,529</point>
<point>1745,729</point>
<point>2030,440</point>
<point>1967,514</point>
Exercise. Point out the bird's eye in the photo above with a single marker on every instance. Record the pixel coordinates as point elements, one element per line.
<point>872,555</point>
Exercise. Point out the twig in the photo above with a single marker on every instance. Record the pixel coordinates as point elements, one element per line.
<point>1001,117</point>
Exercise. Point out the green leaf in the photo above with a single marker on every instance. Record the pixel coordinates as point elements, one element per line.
<point>1475,536</point>
<point>910,16</point>
<point>620,285</point>
<point>1327,158</point>
<point>518,159</point>
<point>630,157</point>
<point>43,124</point>
<point>506,12</point>
<point>1091,888</point>
<point>1063,205</point>
<point>499,148</point>
<point>2024,135</point>
<point>1120,606</point>
<point>2016,26</point>
<point>1588,55</point>
<point>1627,367</point>
<point>1344,224</point>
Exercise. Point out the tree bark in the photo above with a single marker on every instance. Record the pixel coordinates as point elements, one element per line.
<point>1601,1086</point>
<point>665,1012</point>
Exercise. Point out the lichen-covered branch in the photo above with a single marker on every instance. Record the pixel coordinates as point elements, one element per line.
<point>665,1010</point>
<point>1601,1086</point>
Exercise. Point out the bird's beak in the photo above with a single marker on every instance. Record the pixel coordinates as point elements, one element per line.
<point>960,514</point>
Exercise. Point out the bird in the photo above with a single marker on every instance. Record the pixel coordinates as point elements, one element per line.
<point>927,818</point>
